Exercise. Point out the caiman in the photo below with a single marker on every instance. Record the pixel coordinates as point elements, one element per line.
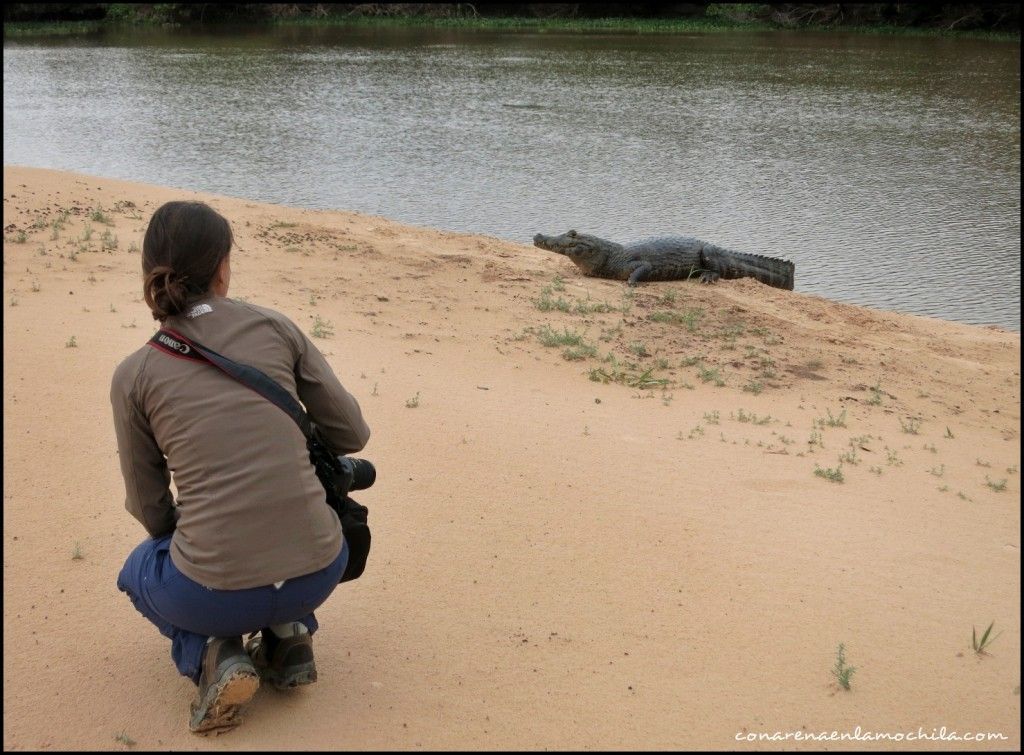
<point>665,258</point>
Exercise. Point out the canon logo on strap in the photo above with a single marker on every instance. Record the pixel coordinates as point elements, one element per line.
<point>171,343</point>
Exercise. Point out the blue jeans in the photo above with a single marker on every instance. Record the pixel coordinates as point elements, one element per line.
<point>188,613</point>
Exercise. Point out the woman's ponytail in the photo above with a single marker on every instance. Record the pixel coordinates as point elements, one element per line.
<point>165,292</point>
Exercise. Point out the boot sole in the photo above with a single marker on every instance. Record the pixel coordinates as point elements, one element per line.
<point>218,711</point>
<point>297,676</point>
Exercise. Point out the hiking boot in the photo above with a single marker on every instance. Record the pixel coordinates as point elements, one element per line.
<point>228,681</point>
<point>285,662</point>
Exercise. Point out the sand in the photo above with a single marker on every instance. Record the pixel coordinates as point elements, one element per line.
<point>559,562</point>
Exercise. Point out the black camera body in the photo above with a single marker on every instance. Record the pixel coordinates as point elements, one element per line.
<point>339,475</point>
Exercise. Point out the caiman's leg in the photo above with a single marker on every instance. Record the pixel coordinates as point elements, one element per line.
<point>709,276</point>
<point>639,272</point>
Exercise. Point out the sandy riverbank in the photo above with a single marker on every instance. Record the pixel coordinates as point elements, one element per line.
<point>645,559</point>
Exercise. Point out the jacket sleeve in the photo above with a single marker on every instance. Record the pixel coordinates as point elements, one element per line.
<point>146,477</point>
<point>329,405</point>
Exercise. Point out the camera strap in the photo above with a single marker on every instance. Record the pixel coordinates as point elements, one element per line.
<point>352,515</point>
<point>177,345</point>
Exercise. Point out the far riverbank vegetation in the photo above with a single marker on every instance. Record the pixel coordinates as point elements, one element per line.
<point>999,21</point>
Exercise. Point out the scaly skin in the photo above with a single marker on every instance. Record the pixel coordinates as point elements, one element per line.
<point>665,258</point>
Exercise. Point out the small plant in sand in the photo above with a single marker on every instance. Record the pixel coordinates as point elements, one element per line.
<point>322,328</point>
<point>35,287</point>
<point>875,470</point>
<point>133,248</point>
<point>588,307</point>
<point>412,403</point>
<point>639,348</point>
<point>550,337</point>
<point>999,487</point>
<point>892,458</point>
<point>71,343</point>
<point>76,553</point>
<point>832,474</point>
<point>930,447</point>
<point>576,353</point>
<point>631,378</point>
<point>710,375</point>
<point>831,421</point>
<point>124,739</point>
<point>108,241</point>
<point>849,457</point>
<point>752,418</point>
<point>87,232</point>
<point>545,303</point>
<point>949,433</point>
<point>767,368</point>
<point>982,463</point>
<point>876,394</point>
<point>753,387</point>
<point>689,318</point>
<point>815,440</point>
<point>712,417</point>
<point>981,646</point>
<point>91,278</point>
<point>98,216</point>
<point>911,426</point>
<point>113,308</point>
<point>938,471</point>
<point>374,391</point>
<point>840,670</point>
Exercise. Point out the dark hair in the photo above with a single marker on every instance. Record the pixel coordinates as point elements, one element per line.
<point>184,245</point>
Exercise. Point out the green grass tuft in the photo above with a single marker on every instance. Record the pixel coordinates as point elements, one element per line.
<point>840,670</point>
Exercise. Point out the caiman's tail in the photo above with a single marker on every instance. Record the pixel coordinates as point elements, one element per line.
<point>729,264</point>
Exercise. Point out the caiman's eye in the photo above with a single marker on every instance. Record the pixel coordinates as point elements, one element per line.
<point>571,233</point>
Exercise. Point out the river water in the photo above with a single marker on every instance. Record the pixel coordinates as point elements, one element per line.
<point>886,168</point>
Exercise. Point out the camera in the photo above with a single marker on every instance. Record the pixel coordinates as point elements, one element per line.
<point>355,474</point>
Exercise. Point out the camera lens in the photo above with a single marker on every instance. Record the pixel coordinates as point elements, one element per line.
<point>361,472</point>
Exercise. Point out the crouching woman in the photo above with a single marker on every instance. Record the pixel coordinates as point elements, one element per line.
<point>248,546</point>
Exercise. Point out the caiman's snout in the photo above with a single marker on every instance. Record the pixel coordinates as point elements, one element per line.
<point>545,242</point>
